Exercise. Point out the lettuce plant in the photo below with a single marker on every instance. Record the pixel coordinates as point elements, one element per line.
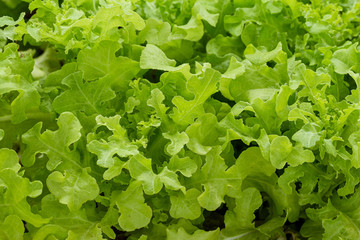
<point>179,119</point>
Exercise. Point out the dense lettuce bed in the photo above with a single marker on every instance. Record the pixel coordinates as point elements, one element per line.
<point>179,119</point>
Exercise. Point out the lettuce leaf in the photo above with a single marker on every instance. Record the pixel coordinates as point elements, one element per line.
<point>162,119</point>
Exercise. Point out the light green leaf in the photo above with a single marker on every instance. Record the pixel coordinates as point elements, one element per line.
<point>11,29</point>
<point>12,228</point>
<point>153,57</point>
<point>256,82</point>
<point>65,224</point>
<point>215,179</point>
<point>155,32</point>
<point>314,83</point>
<point>9,21</point>
<point>253,170</point>
<point>134,18</point>
<point>205,9</point>
<point>178,140</point>
<point>87,97</point>
<point>235,69</point>
<point>135,213</point>
<point>185,165</point>
<point>107,19</point>
<point>261,56</point>
<point>131,104</point>
<point>116,144</point>
<point>185,205</point>
<point>202,88</point>
<point>282,152</point>
<point>280,148</point>
<point>242,216</point>
<point>170,179</point>
<point>282,109</point>
<point>15,75</point>
<point>299,155</point>
<point>9,160</point>
<point>204,134</point>
<point>308,136</point>
<point>140,168</point>
<point>267,115</point>
<point>13,199</point>
<point>73,188</point>
<point>156,101</point>
<point>179,234</point>
<point>346,60</point>
<point>100,61</point>
<point>55,144</point>
<point>193,30</point>
<point>339,218</point>
<point>55,78</point>
<point>251,162</point>
<point>355,143</point>
<point>110,219</point>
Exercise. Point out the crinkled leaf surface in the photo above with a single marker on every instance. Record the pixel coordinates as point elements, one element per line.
<point>55,144</point>
<point>15,75</point>
<point>72,188</point>
<point>117,144</point>
<point>134,213</point>
<point>202,88</point>
<point>160,119</point>
<point>66,224</point>
<point>12,228</point>
<point>83,97</point>
<point>14,192</point>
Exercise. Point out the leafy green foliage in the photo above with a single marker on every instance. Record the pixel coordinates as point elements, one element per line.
<point>179,119</point>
